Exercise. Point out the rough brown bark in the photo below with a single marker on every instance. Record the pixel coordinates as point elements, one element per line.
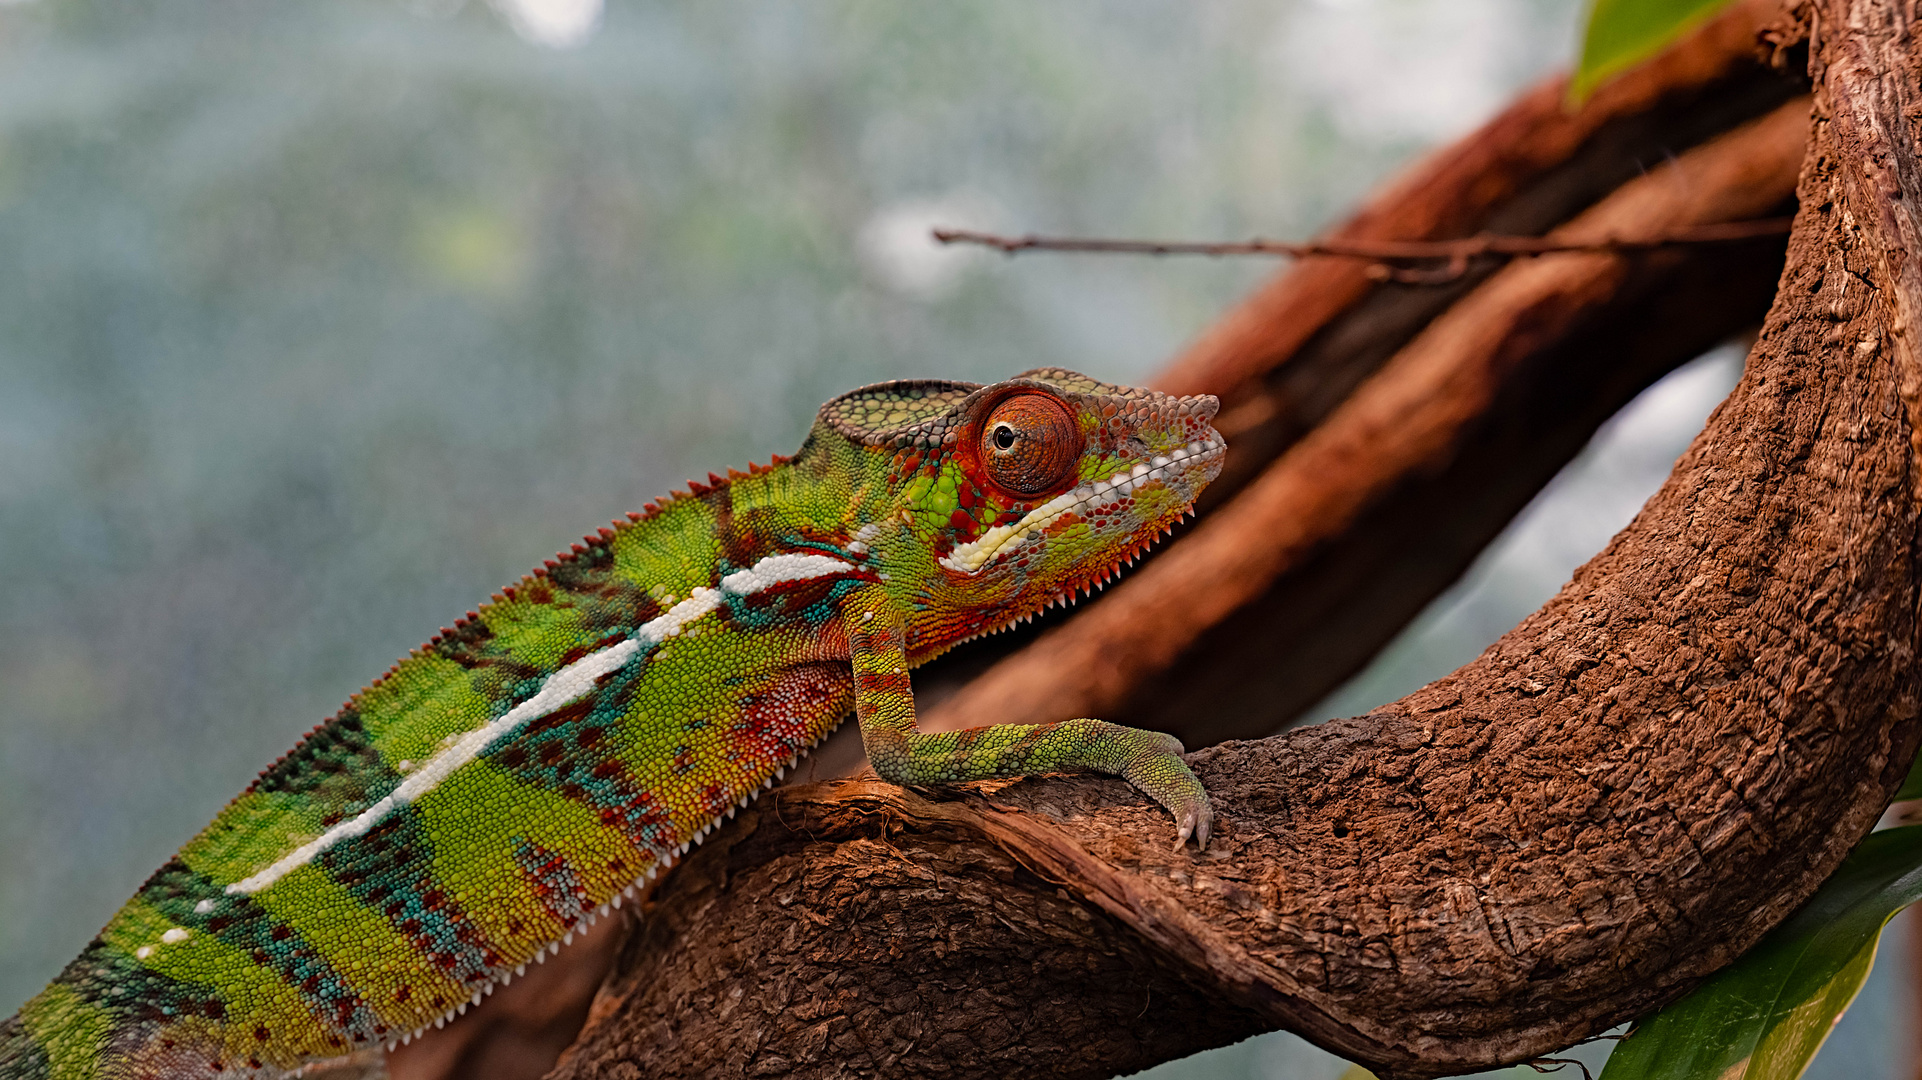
<point>1614,800</point>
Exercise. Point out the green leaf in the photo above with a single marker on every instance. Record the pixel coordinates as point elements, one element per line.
<point>1623,33</point>
<point>1765,1016</point>
<point>1912,787</point>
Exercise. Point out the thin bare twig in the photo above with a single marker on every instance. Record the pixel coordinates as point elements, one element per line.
<point>1454,255</point>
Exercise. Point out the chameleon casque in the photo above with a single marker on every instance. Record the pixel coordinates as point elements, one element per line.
<point>551,752</point>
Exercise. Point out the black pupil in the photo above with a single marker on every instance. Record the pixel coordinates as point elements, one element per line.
<point>1003,437</point>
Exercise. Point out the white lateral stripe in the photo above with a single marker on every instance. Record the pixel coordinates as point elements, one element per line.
<point>564,687</point>
<point>776,569</point>
<point>656,630</point>
<point>561,688</point>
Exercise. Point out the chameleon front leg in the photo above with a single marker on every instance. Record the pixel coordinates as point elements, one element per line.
<point>884,706</point>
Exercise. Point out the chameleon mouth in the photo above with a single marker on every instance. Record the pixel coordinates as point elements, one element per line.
<point>1198,456</point>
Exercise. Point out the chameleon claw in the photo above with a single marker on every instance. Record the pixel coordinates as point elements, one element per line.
<point>1198,822</point>
<point>1194,819</point>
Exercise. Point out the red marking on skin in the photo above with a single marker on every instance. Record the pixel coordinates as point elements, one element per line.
<point>561,717</point>
<point>961,522</point>
<point>404,992</point>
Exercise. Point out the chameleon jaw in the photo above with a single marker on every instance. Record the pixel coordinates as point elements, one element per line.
<point>971,557</point>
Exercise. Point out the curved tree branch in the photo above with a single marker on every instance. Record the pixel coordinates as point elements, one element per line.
<point>1613,801</point>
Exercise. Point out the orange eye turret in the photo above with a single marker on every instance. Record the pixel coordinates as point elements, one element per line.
<point>1029,444</point>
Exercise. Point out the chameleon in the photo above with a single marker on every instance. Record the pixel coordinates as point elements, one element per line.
<point>530,767</point>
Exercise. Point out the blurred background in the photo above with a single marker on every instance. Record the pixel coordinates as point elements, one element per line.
<point>321,321</point>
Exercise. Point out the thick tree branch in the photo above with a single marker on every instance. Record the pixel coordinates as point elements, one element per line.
<point>1613,801</point>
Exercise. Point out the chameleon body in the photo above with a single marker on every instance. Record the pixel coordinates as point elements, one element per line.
<point>530,766</point>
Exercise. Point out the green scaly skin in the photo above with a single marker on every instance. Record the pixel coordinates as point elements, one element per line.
<point>509,781</point>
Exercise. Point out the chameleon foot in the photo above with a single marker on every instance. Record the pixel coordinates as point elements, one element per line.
<point>1157,771</point>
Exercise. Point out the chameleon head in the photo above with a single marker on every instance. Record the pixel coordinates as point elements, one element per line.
<point>1020,493</point>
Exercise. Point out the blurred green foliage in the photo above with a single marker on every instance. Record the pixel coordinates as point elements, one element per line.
<point>1623,33</point>
<point>1765,1016</point>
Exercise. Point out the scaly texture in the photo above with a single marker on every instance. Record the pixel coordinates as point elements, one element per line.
<point>505,783</point>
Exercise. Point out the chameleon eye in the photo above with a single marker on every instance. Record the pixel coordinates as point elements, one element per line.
<point>1029,444</point>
